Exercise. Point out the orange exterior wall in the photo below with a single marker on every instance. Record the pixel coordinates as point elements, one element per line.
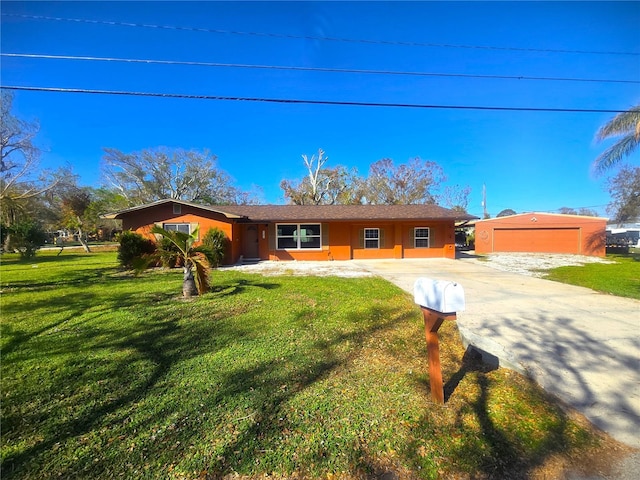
<point>344,242</point>
<point>341,243</point>
<point>142,221</point>
<point>542,233</point>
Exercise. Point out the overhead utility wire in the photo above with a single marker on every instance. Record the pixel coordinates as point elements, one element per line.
<point>303,101</point>
<point>308,69</point>
<point>311,37</point>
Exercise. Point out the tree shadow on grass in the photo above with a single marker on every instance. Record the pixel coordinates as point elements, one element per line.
<point>102,374</point>
<point>270,421</point>
<point>112,383</point>
<point>68,306</point>
<point>82,277</point>
<point>239,286</point>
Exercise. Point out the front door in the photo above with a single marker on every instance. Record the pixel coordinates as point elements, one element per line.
<point>250,242</point>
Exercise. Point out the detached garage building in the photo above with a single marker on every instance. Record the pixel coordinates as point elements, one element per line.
<point>542,233</point>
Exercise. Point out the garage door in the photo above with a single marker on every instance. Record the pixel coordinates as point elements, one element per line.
<point>549,240</point>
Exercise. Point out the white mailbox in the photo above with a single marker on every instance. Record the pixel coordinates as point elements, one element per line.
<point>439,295</point>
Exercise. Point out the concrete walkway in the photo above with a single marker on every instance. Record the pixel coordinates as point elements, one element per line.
<point>580,345</point>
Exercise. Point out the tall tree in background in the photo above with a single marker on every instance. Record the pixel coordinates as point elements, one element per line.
<point>75,204</point>
<point>156,174</point>
<point>506,212</point>
<point>456,198</point>
<point>581,211</point>
<point>323,185</point>
<point>625,193</point>
<point>410,183</point>
<point>21,180</point>
<point>625,125</point>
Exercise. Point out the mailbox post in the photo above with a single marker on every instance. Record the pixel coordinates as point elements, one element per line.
<point>439,301</point>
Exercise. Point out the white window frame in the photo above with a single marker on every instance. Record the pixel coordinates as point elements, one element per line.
<point>416,237</point>
<point>298,238</point>
<point>375,239</point>
<point>177,225</point>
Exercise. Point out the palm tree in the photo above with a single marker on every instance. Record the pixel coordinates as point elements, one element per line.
<point>625,125</point>
<point>195,261</point>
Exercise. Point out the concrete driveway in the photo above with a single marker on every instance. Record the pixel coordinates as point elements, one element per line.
<point>580,345</point>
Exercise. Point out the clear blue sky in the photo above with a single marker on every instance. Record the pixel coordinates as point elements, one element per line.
<point>529,161</point>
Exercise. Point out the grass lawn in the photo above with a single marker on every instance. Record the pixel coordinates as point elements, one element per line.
<point>107,375</point>
<point>621,278</point>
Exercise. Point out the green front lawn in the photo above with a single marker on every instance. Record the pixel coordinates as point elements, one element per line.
<point>107,375</point>
<point>621,278</point>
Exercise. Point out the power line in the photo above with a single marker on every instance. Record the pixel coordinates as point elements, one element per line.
<point>308,69</point>
<point>305,101</point>
<point>312,37</point>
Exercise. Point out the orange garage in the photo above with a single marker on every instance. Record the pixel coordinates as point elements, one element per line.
<point>542,233</point>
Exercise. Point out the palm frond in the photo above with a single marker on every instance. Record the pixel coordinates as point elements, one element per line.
<point>201,274</point>
<point>208,252</point>
<point>179,239</point>
<point>616,152</point>
<point>140,264</point>
<point>622,124</point>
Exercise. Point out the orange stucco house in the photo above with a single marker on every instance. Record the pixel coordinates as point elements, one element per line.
<point>542,233</point>
<point>308,232</point>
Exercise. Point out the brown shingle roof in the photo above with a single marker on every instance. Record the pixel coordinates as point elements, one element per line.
<point>284,213</point>
<point>265,213</point>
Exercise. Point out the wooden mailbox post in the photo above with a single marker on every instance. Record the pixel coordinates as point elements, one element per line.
<point>439,301</point>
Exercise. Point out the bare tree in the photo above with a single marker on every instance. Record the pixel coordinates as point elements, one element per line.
<point>323,185</point>
<point>404,184</point>
<point>74,205</point>
<point>155,174</point>
<point>21,180</point>
<point>456,198</point>
<point>625,194</point>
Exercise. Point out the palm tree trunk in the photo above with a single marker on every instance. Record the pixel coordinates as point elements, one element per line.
<point>188,282</point>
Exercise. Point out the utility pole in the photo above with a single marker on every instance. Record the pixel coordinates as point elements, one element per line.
<point>484,202</point>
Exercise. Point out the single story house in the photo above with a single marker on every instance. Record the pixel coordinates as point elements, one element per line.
<point>308,232</point>
<point>542,233</point>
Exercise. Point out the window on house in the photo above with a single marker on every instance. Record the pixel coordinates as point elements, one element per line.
<point>179,227</point>
<point>177,209</point>
<point>371,238</point>
<point>298,236</point>
<point>421,237</point>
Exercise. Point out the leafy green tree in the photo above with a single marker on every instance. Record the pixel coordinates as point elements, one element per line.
<point>27,236</point>
<point>217,242</point>
<point>506,212</point>
<point>626,126</point>
<point>133,246</point>
<point>196,261</point>
<point>103,200</point>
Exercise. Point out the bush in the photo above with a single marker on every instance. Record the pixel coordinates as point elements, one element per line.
<point>132,246</point>
<point>26,237</point>
<point>216,241</point>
